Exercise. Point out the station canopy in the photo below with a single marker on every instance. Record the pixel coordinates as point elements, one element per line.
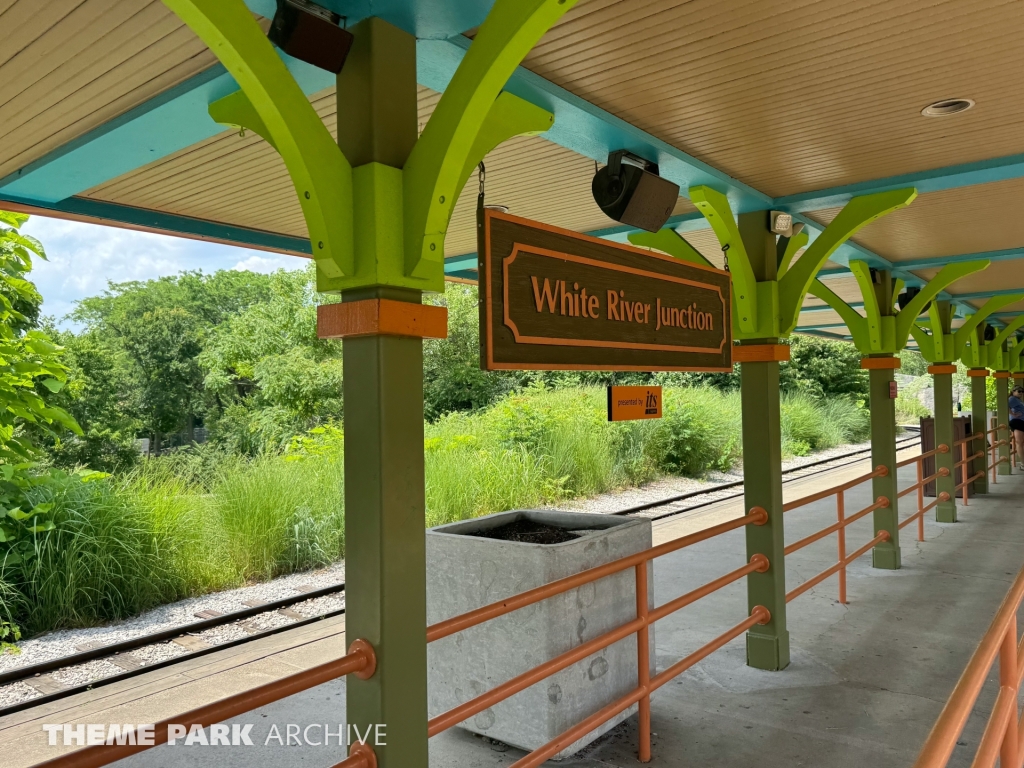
<point>793,105</point>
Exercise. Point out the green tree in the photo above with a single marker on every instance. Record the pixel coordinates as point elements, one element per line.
<point>161,326</point>
<point>267,376</point>
<point>31,373</point>
<point>823,368</point>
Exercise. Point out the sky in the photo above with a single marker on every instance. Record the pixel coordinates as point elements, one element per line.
<point>83,258</point>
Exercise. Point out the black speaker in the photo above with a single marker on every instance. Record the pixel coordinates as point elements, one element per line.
<point>311,34</point>
<point>990,333</point>
<point>908,296</point>
<point>633,192</point>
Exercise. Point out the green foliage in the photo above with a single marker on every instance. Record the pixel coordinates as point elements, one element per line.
<point>823,368</point>
<point>542,446</point>
<point>912,363</point>
<point>267,377</point>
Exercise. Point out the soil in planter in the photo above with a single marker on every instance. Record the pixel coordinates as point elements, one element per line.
<point>528,532</point>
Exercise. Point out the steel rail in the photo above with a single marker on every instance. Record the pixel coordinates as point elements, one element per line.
<point>20,673</point>
<point>360,659</point>
<point>881,471</point>
<point>111,679</point>
<point>900,445</point>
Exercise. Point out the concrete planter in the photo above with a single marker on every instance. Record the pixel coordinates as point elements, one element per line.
<point>465,572</point>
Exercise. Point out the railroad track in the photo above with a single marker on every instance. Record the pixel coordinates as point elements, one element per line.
<point>121,655</point>
<point>693,500</point>
<point>38,678</point>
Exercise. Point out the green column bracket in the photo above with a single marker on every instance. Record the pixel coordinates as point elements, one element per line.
<point>1013,357</point>
<point>964,334</point>
<point>1003,417</point>
<point>440,157</point>
<point>671,242</point>
<point>793,246</point>
<point>856,214</point>
<point>509,116</point>
<point>998,348</point>
<point>715,208</point>
<point>272,105</point>
<point>979,422</point>
<point>856,322</point>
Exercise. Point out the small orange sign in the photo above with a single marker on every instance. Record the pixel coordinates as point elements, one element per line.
<point>632,403</point>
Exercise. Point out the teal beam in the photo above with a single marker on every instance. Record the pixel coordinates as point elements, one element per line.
<point>78,208</point>
<point>933,180</point>
<point>1008,254</point>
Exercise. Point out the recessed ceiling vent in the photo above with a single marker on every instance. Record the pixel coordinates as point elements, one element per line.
<point>947,107</point>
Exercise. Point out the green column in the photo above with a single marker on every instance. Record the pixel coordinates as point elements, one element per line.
<point>767,645</point>
<point>883,453</point>
<point>979,423</point>
<point>1003,417</point>
<point>945,511</point>
<point>385,541</point>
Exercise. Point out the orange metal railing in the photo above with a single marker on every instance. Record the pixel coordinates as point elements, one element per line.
<point>838,527</point>
<point>1003,739</point>
<point>992,461</point>
<point>645,617</point>
<point>922,481</point>
<point>360,661</point>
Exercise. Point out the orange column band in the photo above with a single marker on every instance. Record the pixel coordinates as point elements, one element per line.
<point>879,363</point>
<point>978,373</point>
<point>1001,374</point>
<point>933,369</point>
<point>761,353</point>
<point>381,317</point>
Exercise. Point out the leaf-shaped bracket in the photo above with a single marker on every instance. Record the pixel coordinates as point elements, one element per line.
<point>1013,356</point>
<point>671,242</point>
<point>796,242</point>
<point>272,105</point>
<point>965,332</point>
<point>439,160</point>
<point>857,324</point>
<point>1001,355</point>
<point>856,214</point>
<point>715,208</point>
<point>948,275</point>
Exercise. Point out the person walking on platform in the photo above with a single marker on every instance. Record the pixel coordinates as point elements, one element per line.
<point>1017,422</point>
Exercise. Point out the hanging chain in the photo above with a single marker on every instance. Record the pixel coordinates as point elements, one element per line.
<point>725,255</point>
<point>482,174</point>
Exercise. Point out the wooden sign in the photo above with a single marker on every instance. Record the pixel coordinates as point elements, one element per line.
<point>633,403</point>
<point>552,299</point>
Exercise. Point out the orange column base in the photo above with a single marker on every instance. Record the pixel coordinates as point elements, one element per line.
<point>381,317</point>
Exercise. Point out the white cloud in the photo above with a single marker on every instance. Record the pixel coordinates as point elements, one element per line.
<point>83,258</point>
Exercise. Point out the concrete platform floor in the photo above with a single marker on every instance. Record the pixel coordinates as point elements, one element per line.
<point>867,679</point>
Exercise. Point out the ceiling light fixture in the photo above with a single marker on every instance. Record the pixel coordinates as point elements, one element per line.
<point>782,223</point>
<point>947,107</point>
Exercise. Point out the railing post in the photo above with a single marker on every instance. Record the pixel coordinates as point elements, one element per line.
<point>1008,678</point>
<point>883,454</point>
<point>767,644</point>
<point>945,511</point>
<point>1003,420</point>
<point>995,438</point>
<point>920,499</point>
<point>979,423</point>
<point>963,471</point>
<point>841,515</point>
<point>643,663</point>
